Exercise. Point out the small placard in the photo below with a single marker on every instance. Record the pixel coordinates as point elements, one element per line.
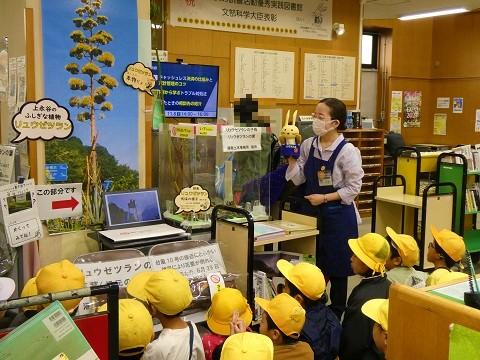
<point>193,199</point>
<point>7,158</point>
<point>183,131</point>
<point>59,200</point>
<point>206,130</point>
<point>236,139</point>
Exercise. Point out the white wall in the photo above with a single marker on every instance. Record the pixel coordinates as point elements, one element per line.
<point>368,96</point>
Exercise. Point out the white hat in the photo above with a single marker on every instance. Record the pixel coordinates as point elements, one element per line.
<point>7,287</point>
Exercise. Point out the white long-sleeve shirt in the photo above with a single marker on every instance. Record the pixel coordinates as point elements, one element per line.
<point>347,171</point>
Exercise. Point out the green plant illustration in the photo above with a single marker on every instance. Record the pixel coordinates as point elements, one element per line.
<point>94,86</point>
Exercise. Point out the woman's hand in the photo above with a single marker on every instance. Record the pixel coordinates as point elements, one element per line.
<point>316,199</point>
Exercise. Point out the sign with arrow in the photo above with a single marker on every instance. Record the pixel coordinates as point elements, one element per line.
<point>59,200</point>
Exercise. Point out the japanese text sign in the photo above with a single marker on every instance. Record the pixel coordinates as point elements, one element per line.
<point>44,119</point>
<point>7,158</point>
<point>59,200</point>
<point>192,263</point>
<point>20,213</point>
<point>140,77</point>
<point>241,138</point>
<point>206,130</point>
<point>183,131</point>
<point>193,198</point>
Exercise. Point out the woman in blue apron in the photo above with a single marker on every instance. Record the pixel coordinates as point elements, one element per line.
<point>331,170</point>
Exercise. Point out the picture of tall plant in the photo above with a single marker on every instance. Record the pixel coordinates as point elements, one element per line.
<point>93,85</point>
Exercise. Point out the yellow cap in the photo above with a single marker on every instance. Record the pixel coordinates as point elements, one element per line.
<point>285,312</point>
<point>224,304</point>
<point>136,285</point>
<point>30,289</point>
<point>372,249</point>
<point>135,328</point>
<point>407,247</point>
<point>60,276</point>
<point>450,242</point>
<point>168,292</point>
<point>377,310</point>
<point>441,276</point>
<point>247,346</point>
<point>306,277</point>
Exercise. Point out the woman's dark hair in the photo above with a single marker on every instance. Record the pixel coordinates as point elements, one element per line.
<point>393,250</point>
<point>338,111</point>
<point>448,260</point>
<point>287,340</point>
<point>308,303</point>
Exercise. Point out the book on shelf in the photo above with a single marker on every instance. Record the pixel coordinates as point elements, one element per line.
<point>263,231</point>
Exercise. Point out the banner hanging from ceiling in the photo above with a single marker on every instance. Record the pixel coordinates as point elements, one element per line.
<point>309,19</point>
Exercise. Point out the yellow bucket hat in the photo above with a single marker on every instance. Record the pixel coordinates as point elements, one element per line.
<point>407,247</point>
<point>168,292</point>
<point>285,312</point>
<point>372,249</point>
<point>136,285</point>
<point>450,242</point>
<point>377,310</point>
<point>306,277</point>
<point>60,276</point>
<point>30,289</point>
<point>247,346</point>
<point>135,327</point>
<point>224,304</point>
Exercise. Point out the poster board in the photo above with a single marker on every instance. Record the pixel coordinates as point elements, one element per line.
<point>275,67</point>
<point>336,70</point>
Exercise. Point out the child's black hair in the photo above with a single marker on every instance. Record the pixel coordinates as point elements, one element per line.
<point>448,260</point>
<point>393,250</point>
<point>287,340</point>
<point>308,302</point>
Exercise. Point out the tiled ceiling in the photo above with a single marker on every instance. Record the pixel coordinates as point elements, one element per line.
<point>391,9</point>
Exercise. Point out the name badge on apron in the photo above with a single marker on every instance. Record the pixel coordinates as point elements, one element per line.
<point>324,177</point>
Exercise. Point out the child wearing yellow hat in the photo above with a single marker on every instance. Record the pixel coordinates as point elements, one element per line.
<point>370,253</point>
<point>377,310</point>
<point>247,346</point>
<point>135,328</point>
<point>445,251</point>
<point>282,321</point>
<point>305,283</point>
<point>225,304</point>
<point>404,254</point>
<point>168,294</point>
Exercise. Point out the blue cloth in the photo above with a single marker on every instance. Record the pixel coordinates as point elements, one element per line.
<point>322,331</point>
<point>338,221</point>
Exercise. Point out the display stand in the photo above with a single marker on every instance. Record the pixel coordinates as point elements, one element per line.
<point>419,323</point>
<point>458,173</point>
<point>392,203</point>
<point>237,243</point>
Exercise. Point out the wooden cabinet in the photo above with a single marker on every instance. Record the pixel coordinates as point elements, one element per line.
<point>370,142</point>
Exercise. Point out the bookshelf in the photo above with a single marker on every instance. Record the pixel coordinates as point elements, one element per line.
<point>370,143</point>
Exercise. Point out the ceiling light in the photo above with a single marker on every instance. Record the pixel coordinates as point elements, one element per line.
<point>434,13</point>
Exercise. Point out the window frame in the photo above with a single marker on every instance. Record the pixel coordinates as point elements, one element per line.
<point>375,37</point>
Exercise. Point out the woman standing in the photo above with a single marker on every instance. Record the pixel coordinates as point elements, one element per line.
<point>331,170</point>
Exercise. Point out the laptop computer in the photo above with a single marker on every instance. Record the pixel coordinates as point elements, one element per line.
<point>135,215</point>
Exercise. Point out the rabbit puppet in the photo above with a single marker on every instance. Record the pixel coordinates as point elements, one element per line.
<point>290,137</point>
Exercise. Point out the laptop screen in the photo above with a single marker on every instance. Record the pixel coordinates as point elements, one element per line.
<point>132,208</point>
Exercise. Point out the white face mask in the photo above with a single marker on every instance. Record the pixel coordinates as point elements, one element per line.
<point>319,127</point>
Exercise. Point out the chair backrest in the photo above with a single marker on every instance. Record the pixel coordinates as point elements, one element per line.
<point>160,249</point>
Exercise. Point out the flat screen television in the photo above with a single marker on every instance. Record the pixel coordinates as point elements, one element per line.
<point>190,90</point>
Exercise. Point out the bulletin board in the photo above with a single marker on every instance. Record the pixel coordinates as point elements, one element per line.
<point>265,72</point>
<point>328,74</point>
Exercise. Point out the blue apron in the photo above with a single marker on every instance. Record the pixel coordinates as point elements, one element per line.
<point>337,222</point>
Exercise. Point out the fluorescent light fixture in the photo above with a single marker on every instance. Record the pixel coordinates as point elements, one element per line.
<point>434,13</point>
